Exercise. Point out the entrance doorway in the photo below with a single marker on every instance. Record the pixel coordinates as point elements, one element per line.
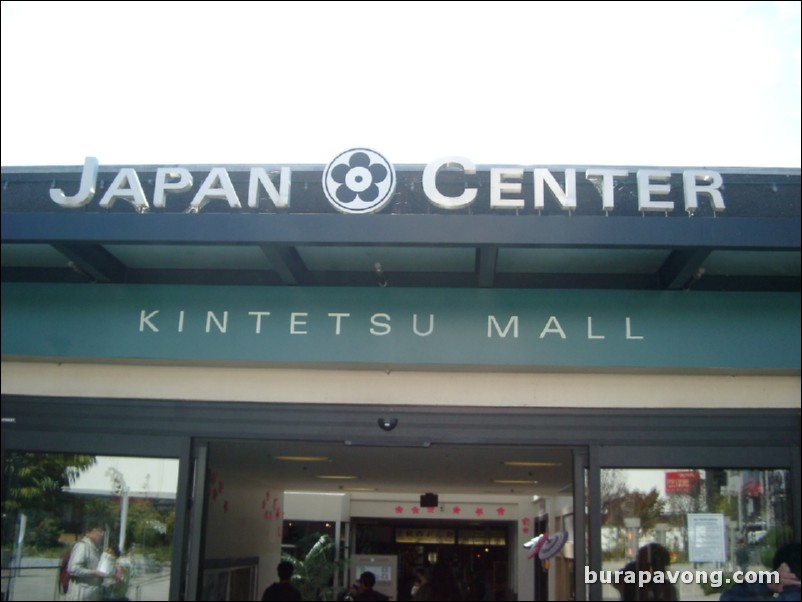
<point>474,555</point>
<point>369,501</point>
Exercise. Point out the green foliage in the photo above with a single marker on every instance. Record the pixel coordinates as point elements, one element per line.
<point>34,483</point>
<point>44,534</point>
<point>313,576</point>
<point>36,480</point>
<point>103,511</point>
<point>776,537</point>
<point>726,583</point>
<point>147,525</point>
<point>724,504</point>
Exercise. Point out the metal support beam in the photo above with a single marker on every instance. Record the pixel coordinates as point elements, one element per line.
<point>594,559</point>
<point>287,263</point>
<point>682,267</point>
<point>486,259</point>
<point>93,260</point>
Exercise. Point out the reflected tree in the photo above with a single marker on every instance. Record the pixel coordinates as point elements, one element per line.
<point>648,507</point>
<point>619,502</point>
<point>35,483</point>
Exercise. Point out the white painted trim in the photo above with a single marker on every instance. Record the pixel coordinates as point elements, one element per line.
<point>377,387</point>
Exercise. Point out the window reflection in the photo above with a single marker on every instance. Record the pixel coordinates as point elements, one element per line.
<point>50,501</point>
<point>704,519</point>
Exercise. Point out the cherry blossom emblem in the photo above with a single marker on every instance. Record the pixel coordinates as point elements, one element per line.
<point>359,180</point>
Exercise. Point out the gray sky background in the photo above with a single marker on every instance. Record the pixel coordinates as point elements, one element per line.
<point>143,476</point>
<point>702,84</point>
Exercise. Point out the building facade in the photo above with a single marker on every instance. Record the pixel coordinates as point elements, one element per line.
<point>612,353</point>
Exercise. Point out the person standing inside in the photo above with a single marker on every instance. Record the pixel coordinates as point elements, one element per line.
<point>441,585</point>
<point>282,589</point>
<point>85,580</point>
<point>367,581</point>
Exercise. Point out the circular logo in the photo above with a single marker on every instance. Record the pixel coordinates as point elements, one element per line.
<point>553,545</point>
<point>359,180</point>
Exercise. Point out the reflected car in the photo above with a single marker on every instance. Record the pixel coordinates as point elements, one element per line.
<point>755,532</point>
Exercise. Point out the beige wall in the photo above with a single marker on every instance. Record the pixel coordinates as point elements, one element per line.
<point>244,519</point>
<point>401,387</point>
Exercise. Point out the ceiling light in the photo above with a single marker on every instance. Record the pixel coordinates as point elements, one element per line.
<point>302,458</point>
<point>336,476</point>
<point>522,463</point>
<point>514,482</point>
<point>359,489</point>
<point>383,443</point>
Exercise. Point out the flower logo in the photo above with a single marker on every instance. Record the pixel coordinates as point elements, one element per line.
<point>359,180</point>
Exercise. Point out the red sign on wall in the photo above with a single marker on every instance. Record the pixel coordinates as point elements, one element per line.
<point>682,481</point>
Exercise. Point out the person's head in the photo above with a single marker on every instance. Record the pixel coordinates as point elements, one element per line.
<point>367,580</point>
<point>285,570</point>
<point>95,532</point>
<point>790,555</point>
<point>653,557</point>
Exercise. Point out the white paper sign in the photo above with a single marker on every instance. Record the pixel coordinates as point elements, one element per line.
<point>706,538</point>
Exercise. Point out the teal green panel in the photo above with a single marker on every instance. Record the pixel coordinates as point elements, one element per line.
<point>385,326</point>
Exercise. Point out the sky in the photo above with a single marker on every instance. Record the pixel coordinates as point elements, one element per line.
<point>143,476</point>
<point>508,83</point>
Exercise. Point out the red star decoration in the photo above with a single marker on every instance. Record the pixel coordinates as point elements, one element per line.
<point>415,510</point>
<point>525,529</point>
<point>524,521</point>
<point>430,509</point>
<point>399,510</point>
<point>479,511</point>
<point>500,511</point>
<point>457,510</point>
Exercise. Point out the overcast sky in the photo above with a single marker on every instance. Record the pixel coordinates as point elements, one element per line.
<point>143,476</point>
<point>519,83</point>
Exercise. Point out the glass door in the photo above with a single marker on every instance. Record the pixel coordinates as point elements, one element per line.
<point>100,524</point>
<point>708,528</point>
<point>706,518</point>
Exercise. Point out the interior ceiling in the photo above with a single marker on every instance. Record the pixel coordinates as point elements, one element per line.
<point>440,469</point>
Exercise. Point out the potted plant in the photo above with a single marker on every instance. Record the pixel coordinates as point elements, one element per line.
<point>314,574</point>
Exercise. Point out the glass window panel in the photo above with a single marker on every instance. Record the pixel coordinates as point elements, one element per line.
<point>51,500</point>
<point>705,521</point>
